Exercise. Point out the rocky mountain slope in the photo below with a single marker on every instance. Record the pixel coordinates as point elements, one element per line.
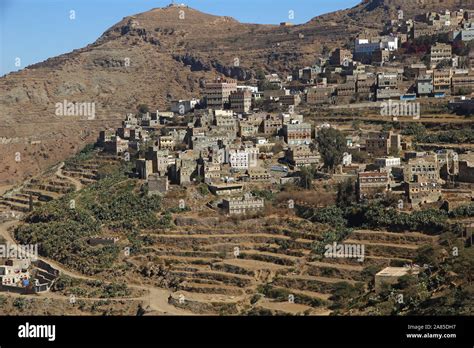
<point>153,58</point>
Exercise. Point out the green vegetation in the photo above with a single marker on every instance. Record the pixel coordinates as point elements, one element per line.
<point>379,215</point>
<point>332,145</point>
<point>462,211</point>
<point>89,288</point>
<point>114,203</point>
<point>265,194</point>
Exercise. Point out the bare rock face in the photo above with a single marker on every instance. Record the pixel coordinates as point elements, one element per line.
<point>148,57</point>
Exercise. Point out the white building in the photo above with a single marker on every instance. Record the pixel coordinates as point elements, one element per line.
<point>387,162</point>
<point>366,46</point>
<point>238,159</point>
<point>346,159</point>
<point>243,159</point>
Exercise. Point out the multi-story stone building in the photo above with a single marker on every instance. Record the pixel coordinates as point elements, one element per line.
<point>184,170</point>
<point>217,92</point>
<point>159,158</point>
<point>422,190</point>
<point>211,172</point>
<point>426,166</point>
<point>144,168</point>
<point>166,142</point>
<point>243,205</point>
<point>442,81</point>
<point>241,101</point>
<point>272,125</point>
<point>248,128</point>
<point>319,95</point>
<point>383,143</point>
<point>440,52</point>
<point>347,89</point>
<point>297,133</point>
<point>372,184</point>
<point>341,57</point>
<point>463,83</point>
<point>301,156</point>
<point>116,146</point>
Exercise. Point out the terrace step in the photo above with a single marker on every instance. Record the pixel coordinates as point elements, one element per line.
<point>311,283</point>
<point>211,288</point>
<point>370,260</point>
<point>24,208</point>
<point>260,270</point>
<point>385,249</point>
<point>227,278</point>
<point>280,259</point>
<point>342,271</point>
<point>391,237</point>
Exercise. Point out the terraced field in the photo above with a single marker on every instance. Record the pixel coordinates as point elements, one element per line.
<point>54,183</point>
<point>237,271</point>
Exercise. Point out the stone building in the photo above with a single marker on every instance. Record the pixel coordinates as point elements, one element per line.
<point>301,156</point>
<point>217,92</point>
<point>157,185</point>
<point>144,168</point>
<point>272,125</point>
<point>442,81</point>
<point>319,95</point>
<point>426,166</point>
<point>341,57</point>
<point>439,53</point>
<point>383,143</point>
<point>372,184</point>
<point>422,190</point>
<point>241,101</point>
<point>297,133</point>
<point>243,205</point>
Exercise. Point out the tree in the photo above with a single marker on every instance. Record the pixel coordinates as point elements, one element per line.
<point>332,145</point>
<point>346,193</point>
<point>306,177</point>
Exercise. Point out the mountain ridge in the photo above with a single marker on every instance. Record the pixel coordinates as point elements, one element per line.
<point>152,58</point>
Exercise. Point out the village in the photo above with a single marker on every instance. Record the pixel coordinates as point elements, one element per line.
<point>235,136</point>
<point>354,118</point>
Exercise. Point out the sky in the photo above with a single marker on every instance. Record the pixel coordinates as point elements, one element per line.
<point>33,30</point>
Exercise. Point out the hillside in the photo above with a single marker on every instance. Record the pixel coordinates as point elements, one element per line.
<point>153,58</point>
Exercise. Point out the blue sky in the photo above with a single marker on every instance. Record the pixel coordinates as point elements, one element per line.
<point>34,30</point>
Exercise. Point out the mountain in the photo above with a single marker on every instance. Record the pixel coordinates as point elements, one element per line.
<point>152,58</point>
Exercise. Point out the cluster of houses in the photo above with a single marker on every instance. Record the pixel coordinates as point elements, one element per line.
<point>229,139</point>
<point>372,70</point>
<point>420,177</point>
<point>25,275</point>
<point>231,152</point>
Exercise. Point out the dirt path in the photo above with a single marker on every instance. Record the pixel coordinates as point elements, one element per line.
<point>156,298</point>
<point>75,182</point>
